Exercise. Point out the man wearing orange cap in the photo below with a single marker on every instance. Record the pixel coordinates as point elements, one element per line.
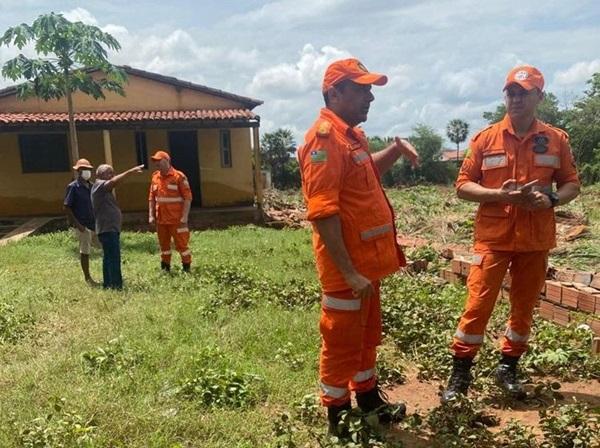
<point>78,208</point>
<point>510,171</point>
<point>170,199</point>
<point>354,238</point>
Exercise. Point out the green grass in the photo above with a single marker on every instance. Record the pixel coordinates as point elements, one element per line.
<point>164,319</point>
<point>81,366</point>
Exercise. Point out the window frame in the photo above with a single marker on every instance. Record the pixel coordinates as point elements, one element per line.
<point>28,148</point>
<point>225,149</point>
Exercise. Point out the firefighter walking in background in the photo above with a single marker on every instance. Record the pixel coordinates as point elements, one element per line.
<point>170,199</point>
<point>510,171</point>
<point>354,239</point>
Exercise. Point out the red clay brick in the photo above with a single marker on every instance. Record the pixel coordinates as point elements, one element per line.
<point>546,314</point>
<point>561,315</point>
<point>595,281</point>
<point>465,267</point>
<point>596,347</point>
<point>595,326</point>
<point>455,266</point>
<point>570,297</point>
<point>565,276</point>
<point>553,291</point>
<point>583,277</point>
<point>586,302</point>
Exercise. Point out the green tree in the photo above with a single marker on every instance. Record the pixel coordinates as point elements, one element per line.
<point>457,131</point>
<point>277,150</point>
<point>428,144</point>
<point>583,124</point>
<point>548,112</point>
<point>69,50</point>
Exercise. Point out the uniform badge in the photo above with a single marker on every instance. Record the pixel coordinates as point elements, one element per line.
<point>318,156</point>
<point>540,144</point>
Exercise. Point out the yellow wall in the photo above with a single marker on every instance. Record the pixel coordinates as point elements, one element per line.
<point>141,94</point>
<point>224,186</point>
<point>40,194</point>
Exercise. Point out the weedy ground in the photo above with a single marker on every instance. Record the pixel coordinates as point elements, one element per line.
<point>228,356</point>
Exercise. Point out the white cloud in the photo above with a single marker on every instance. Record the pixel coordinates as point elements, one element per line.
<point>80,15</point>
<point>296,78</point>
<point>577,74</point>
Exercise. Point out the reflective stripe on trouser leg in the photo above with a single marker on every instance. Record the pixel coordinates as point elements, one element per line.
<point>348,346</point>
<point>164,241</point>
<point>528,272</point>
<point>484,282</point>
<point>181,235</point>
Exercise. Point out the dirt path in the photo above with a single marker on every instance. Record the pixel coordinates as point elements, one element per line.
<point>422,397</point>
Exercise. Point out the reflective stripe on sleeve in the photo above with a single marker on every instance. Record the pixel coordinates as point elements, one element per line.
<point>167,200</point>
<point>514,336</point>
<point>359,156</point>
<point>340,304</point>
<point>363,375</point>
<point>468,338</point>
<point>334,392</point>
<point>375,231</point>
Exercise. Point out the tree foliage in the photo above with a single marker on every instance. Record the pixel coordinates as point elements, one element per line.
<point>277,151</point>
<point>457,131</point>
<point>69,54</point>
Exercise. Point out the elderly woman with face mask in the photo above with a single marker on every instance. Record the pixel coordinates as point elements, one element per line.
<point>108,221</point>
<point>78,208</point>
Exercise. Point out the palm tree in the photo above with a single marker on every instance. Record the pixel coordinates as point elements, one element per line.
<point>457,131</point>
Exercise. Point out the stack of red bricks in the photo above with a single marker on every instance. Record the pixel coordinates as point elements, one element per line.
<point>564,293</point>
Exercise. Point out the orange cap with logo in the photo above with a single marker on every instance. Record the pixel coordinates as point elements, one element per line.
<point>526,76</point>
<point>352,69</point>
<point>159,155</point>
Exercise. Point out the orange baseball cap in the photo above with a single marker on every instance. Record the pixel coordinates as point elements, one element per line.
<point>351,69</point>
<point>159,155</point>
<point>82,163</point>
<point>526,76</point>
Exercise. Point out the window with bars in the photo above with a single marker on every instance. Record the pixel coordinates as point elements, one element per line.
<point>225,144</point>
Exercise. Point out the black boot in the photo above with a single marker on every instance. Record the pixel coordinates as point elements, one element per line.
<point>186,267</point>
<point>460,379</point>
<point>506,377</point>
<point>376,399</point>
<point>334,416</point>
<point>165,266</point>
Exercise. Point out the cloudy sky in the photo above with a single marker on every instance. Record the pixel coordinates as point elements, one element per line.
<point>445,58</point>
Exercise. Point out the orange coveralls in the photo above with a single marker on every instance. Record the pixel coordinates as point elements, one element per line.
<point>340,178</point>
<point>169,192</point>
<point>507,236</point>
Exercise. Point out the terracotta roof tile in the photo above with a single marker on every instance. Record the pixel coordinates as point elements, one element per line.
<point>137,116</point>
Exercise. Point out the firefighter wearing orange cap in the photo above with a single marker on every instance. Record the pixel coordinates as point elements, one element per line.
<point>170,199</point>
<point>510,171</point>
<point>354,238</point>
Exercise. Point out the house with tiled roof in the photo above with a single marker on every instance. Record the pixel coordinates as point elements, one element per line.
<point>212,136</point>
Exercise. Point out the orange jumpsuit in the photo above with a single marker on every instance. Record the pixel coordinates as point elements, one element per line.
<point>340,178</point>
<point>507,236</point>
<point>169,192</point>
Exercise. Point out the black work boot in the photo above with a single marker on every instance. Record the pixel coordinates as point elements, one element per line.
<point>165,266</point>
<point>334,415</point>
<point>460,379</point>
<point>506,377</point>
<point>376,400</point>
<point>186,267</point>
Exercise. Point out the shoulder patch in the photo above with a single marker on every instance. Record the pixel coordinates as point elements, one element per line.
<point>318,155</point>
<point>324,129</point>
<point>483,131</point>
<point>560,131</point>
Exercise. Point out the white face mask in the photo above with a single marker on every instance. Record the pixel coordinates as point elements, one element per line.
<point>86,174</point>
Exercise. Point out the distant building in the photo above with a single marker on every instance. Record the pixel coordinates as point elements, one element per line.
<point>450,155</point>
<point>210,134</point>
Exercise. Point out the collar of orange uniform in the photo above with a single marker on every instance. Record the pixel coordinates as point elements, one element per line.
<point>171,172</point>
<point>535,128</point>
<point>339,124</point>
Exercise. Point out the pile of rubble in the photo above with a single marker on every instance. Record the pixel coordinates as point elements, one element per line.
<point>279,214</point>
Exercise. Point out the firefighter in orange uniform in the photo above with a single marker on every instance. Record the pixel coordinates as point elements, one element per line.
<point>170,199</point>
<point>510,171</point>
<point>354,238</point>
